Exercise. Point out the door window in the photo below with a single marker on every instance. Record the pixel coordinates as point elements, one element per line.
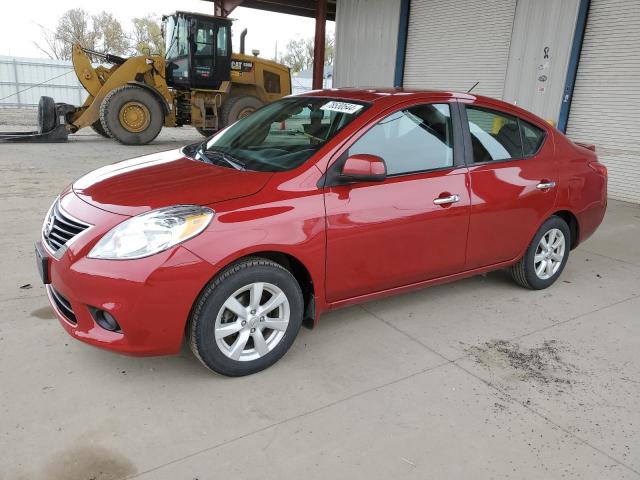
<point>532,138</point>
<point>494,135</point>
<point>204,40</point>
<point>412,140</point>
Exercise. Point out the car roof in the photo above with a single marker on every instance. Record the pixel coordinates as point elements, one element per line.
<point>391,96</point>
<point>376,94</point>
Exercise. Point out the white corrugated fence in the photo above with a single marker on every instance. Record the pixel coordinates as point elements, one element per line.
<point>24,80</point>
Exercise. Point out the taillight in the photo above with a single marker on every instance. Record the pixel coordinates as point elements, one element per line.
<point>598,168</point>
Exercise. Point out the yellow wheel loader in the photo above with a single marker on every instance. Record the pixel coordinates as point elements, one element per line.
<point>198,82</point>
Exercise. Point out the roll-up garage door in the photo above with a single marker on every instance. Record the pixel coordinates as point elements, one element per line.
<point>605,109</point>
<point>455,43</point>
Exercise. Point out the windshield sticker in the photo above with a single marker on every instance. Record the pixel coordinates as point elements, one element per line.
<point>342,107</point>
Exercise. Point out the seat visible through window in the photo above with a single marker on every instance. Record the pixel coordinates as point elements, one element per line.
<point>494,135</point>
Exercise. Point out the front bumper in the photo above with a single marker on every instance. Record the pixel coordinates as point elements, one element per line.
<point>149,297</point>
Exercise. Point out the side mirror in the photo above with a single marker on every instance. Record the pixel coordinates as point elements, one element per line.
<point>364,168</point>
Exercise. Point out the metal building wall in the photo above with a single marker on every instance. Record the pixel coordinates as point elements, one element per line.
<point>20,80</point>
<point>539,54</point>
<point>605,109</point>
<point>366,43</point>
<point>453,44</point>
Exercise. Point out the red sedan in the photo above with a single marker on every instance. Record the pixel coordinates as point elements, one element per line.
<point>312,203</point>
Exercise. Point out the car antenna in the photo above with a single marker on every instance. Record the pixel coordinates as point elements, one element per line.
<point>474,86</point>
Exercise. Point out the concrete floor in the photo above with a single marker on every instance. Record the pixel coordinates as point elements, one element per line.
<point>475,379</point>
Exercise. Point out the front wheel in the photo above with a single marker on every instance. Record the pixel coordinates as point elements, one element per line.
<point>246,318</point>
<point>132,115</point>
<point>545,257</point>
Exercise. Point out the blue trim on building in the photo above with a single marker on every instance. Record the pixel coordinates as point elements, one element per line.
<point>403,30</point>
<point>574,60</point>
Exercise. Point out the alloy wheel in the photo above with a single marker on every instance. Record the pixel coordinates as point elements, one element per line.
<point>549,254</point>
<point>252,321</point>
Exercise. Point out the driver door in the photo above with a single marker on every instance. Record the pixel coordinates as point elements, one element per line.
<point>383,235</point>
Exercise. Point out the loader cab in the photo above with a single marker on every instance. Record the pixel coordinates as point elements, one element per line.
<point>198,50</point>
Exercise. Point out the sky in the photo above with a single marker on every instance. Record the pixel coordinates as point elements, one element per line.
<point>17,35</point>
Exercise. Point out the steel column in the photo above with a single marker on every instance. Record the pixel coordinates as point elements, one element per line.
<point>403,31</point>
<point>574,59</point>
<point>319,44</point>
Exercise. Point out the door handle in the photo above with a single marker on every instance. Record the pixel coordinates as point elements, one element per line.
<point>545,185</point>
<point>446,200</point>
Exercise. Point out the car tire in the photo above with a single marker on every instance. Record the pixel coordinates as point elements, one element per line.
<point>141,126</point>
<point>211,321</point>
<point>544,261</point>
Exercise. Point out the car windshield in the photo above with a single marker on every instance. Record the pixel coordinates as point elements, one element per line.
<point>283,134</point>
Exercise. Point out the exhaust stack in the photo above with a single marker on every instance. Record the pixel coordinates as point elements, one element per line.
<point>242,35</point>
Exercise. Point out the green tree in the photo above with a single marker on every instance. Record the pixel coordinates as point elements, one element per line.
<point>101,32</point>
<point>298,53</point>
<point>74,26</point>
<point>147,36</point>
<point>110,37</point>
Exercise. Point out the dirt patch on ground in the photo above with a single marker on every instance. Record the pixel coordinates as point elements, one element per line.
<point>45,313</point>
<point>543,364</point>
<point>88,463</point>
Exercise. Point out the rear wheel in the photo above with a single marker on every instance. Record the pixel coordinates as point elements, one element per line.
<point>246,318</point>
<point>546,256</point>
<point>206,132</point>
<point>131,115</point>
<point>99,129</point>
<point>238,107</point>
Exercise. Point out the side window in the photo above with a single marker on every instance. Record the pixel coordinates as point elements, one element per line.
<point>532,138</point>
<point>221,41</point>
<point>183,38</point>
<point>494,135</point>
<point>412,140</point>
<point>271,82</point>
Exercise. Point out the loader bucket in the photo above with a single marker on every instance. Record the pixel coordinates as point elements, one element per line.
<point>51,124</point>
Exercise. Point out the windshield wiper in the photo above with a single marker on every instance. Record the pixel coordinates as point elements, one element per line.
<point>225,157</point>
<point>219,156</point>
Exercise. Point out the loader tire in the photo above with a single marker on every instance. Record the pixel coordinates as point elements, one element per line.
<point>238,107</point>
<point>131,115</point>
<point>99,129</point>
<point>206,132</point>
<point>46,114</point>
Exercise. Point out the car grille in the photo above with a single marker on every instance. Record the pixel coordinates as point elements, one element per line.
<point>64,306</point>
<point>60,228</point>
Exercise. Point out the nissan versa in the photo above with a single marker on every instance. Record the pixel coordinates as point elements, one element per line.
<point>312,203</point>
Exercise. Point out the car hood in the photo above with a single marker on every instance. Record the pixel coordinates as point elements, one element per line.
<point>162,179</point>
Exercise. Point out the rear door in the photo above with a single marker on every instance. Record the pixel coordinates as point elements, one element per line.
<point>513,181</point>
<point>412,226</point>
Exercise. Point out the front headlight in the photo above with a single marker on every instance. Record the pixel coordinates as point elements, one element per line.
<point>152,232</point>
